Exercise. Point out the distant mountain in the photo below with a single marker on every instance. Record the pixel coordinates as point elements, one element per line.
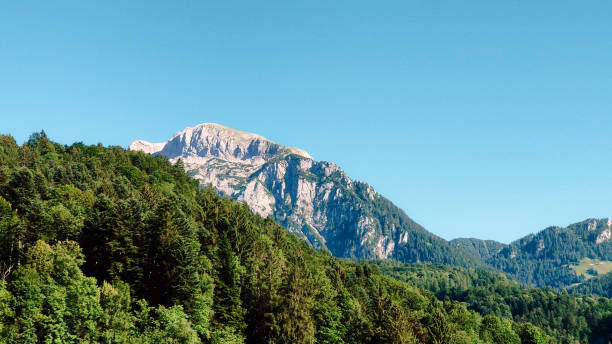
<point>315,200</point>
<point>546,258</point>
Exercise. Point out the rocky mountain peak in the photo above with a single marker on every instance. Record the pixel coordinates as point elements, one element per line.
<point>206,141</point>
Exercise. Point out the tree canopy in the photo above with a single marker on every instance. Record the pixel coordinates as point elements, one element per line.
<point>104,245</point>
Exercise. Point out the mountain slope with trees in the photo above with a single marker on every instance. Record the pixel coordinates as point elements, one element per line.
<point>599,285</point>
<point>566,317</point>
<point>483,249</point>
<point>546,258</point>
<point>111,246</point>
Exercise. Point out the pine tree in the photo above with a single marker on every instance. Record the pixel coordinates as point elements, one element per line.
<point>294,317</point>
<point>227,306</point>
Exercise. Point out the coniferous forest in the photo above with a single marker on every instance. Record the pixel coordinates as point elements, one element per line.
<point>104,245</point>
<point>565,317</point>
<point>600,285</point>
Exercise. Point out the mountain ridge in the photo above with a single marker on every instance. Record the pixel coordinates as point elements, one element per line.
<point>321,204</point>
<point>544,258</point>
<point>315,200</point>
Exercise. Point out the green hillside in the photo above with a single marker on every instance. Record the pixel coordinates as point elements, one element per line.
<point>103,245</point>
<point>599,285</point>
<point>588,268</point>
<point>554,257</point>
<point>566,317</point>
<point>482,249</point>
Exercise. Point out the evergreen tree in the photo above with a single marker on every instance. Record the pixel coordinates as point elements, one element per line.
<point>228,311</point>
<point>294,316</point>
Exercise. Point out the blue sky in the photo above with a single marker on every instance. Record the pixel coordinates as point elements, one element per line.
<point>481,119</point>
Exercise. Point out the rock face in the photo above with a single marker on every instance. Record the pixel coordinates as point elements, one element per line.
<point>315,200</point>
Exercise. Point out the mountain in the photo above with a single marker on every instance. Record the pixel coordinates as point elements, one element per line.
<point>549,257</point>
<point>315,200</point>
<point>319,203</point>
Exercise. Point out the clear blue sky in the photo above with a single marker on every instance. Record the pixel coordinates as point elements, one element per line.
<point>489,119</point>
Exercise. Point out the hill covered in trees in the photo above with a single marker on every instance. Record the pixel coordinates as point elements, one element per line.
<point>599,285</point>
<point>565,317</point>
<point>482,249</point>
<point>546,258</point>
<point>103,245</point>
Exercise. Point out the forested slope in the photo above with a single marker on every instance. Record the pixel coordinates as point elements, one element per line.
<point>546,258</point>
<point>600,285</point>
<point>110,246</point>
<point>565,317</point>
<point>482,249</point>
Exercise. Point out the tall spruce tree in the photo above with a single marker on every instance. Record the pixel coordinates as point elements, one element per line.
<point>228,310</point>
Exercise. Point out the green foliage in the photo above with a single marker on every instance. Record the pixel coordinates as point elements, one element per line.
<point>227,308</point>
<point>600,285</point>
<point>11,238</point>
<point>54,301</point>
<point>118,321</point>
<point>483,249</point>
<point>226,335</point>
<point>6,313</point>
<point>172,326</point>
<point>556,257</point>
<point>498,331</point>
<point>530,334</point>
<point>103,245</point>
<point>564,317</point>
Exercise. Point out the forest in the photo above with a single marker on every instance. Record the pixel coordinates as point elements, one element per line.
<point>103,245</point>
<point>599,285</point>
<point>564,316</point>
